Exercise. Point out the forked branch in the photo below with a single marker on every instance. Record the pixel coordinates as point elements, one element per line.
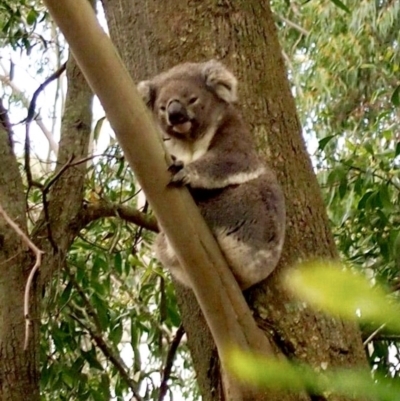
<point>38,254</point>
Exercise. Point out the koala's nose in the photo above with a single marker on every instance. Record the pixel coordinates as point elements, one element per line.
<point>177,114</point>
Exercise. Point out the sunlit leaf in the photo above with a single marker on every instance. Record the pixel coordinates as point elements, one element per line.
<point>343,293</point>
<point>283,375</point>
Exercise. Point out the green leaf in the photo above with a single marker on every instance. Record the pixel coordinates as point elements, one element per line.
<point>105,387</point>
<point>66,294</point>
<point>102,311</point>
<point>97,128</point>
<point>368,147</point>
<point>385,199</point>
<point>324,141</point>
<point>90,357</point>
<point>118,263</point>
<point>343,186</point>
<point>395,99</point>
<point>396,250</point>
<point>397,152</point>
<point>277,374</point>
<point>31,17</point>
<point>69,378</point>
<point>116,334</point>
<point>343,293</point>
<point>339,4</point>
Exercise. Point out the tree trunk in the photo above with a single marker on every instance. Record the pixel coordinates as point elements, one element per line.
<point>155,35</point>
<point>19,368</point>
<point>53,233</point>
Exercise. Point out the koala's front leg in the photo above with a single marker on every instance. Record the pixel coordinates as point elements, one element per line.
<point>179,173</point>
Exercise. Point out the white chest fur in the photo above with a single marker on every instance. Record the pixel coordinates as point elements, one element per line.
<point>188,152</point>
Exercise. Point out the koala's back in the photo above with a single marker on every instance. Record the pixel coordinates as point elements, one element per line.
<point>251,238</point>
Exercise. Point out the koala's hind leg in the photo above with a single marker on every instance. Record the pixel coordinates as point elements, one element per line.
<point>166,255</point>
<point>248,221</point>
<point>248,265</point>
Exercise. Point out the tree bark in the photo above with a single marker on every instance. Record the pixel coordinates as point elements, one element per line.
<point>57,228</point>
<point>155,35</point>
<point>19,368</point>
<point>53,233</point>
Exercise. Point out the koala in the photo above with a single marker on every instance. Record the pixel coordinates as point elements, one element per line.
<point>213,153</point>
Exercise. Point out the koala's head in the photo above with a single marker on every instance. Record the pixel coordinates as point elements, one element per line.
<point>189,98</point>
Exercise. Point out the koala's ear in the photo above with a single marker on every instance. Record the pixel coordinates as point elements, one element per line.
<point>220,80</point>
<point>147,92</point>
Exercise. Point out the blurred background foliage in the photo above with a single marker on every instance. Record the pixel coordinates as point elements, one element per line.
<point>111,322</point>
<point>345,70</point>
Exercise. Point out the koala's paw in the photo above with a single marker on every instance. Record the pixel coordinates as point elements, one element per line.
<point>181,178</point>
<point>176,166</point>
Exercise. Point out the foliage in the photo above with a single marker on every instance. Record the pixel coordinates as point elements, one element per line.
<point>340,292</point>
<point>345,73</point>
<point>19,22</point>
<point>113,313</point>
<point>283,375</point>
<point>343,293</point>
<point>111,299</point>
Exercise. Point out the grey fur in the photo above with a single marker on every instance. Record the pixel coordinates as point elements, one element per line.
<point>238,195</point>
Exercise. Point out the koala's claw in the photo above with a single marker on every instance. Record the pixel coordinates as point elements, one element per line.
<point>176,166</point>
<point>180,178</point>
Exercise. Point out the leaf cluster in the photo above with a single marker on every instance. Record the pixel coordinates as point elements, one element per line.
<point>111,315</point>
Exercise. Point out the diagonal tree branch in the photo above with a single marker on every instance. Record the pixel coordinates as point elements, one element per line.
<point>30,117</point>
<point>169,361</point>
<point>227,314</point>
<point>17,91</point>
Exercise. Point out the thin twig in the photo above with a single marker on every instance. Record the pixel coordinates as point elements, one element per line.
<point>387,337</point>
<point>112,356</point>
<point>30,117</point>
<point>373,334</point>
<point>88,306</point>
<point>293,25</point>
<point>42,86</point>
<point>38,253</point>
<point>169,362</point>
<point>52,143</point>
<point>374,174</point>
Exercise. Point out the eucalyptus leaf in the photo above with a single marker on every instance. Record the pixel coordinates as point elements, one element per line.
<point>280,374</point>
<point>343,293</point>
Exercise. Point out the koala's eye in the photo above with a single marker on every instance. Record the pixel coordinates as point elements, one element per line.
<point>193,100</point>
<point>162,108</point>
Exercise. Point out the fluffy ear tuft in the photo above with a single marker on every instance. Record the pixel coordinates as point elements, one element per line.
<point>222,81</point>
<point>146,91</point>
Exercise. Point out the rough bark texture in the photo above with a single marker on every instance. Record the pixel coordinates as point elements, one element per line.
<point>153,35</point>
<point>19,369</point>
